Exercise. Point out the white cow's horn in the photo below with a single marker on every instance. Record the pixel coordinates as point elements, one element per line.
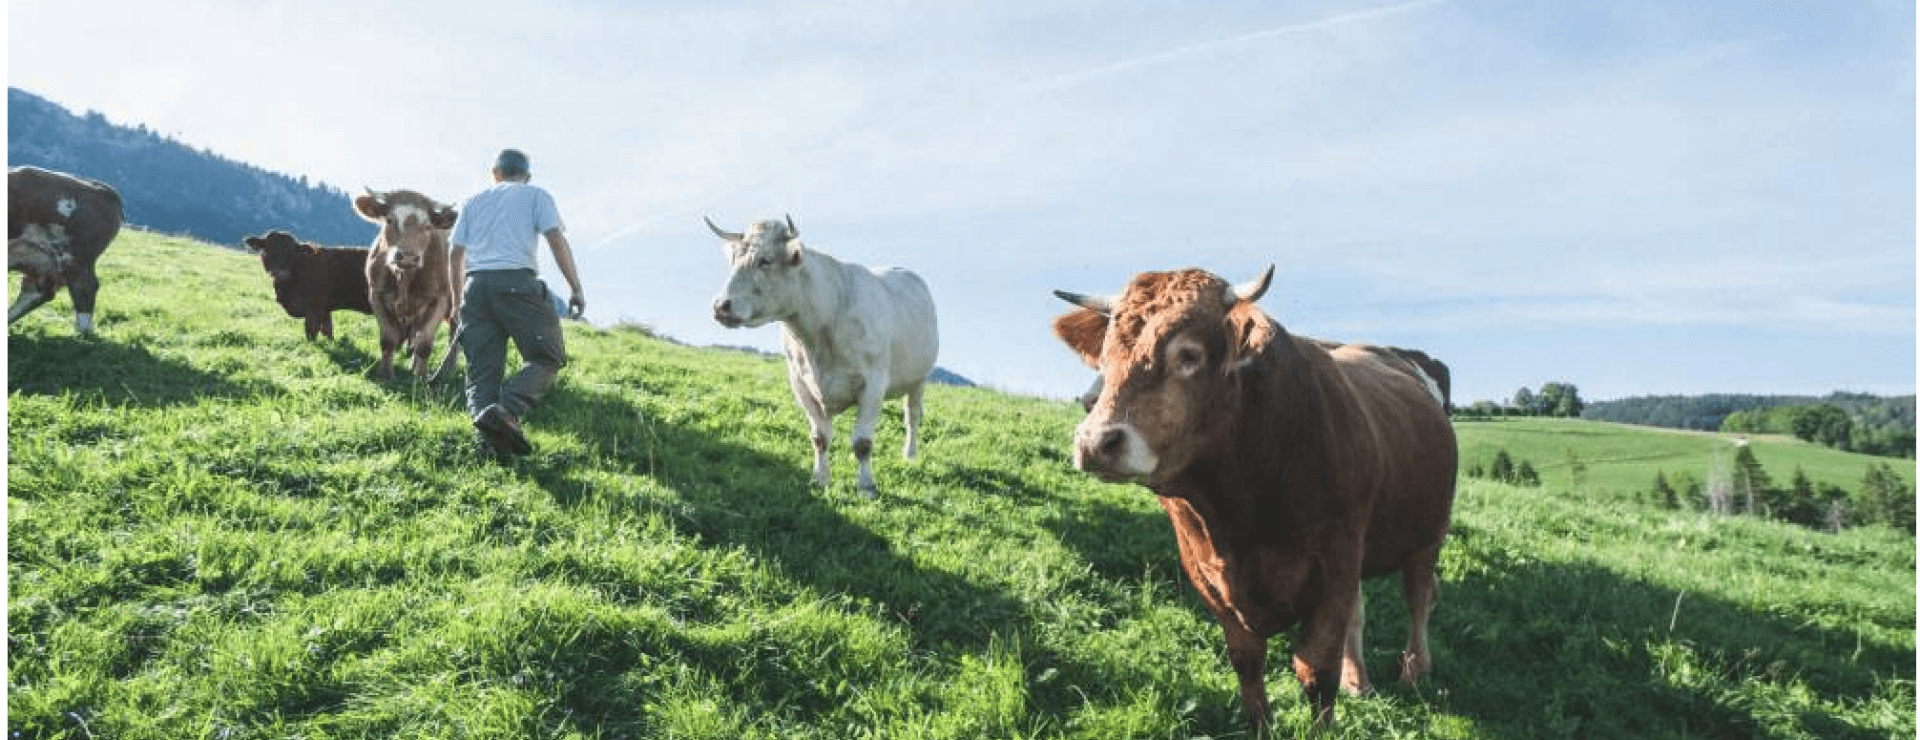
<point>727,235</point>
<point>793,232</point>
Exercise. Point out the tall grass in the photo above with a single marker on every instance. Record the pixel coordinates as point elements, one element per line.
<point>219,530</point>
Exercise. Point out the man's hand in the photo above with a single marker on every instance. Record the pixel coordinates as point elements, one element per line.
<point>578,306</point>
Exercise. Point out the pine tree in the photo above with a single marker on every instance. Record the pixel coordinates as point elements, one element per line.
<point>1502,469</point>
<point>1664,491</point>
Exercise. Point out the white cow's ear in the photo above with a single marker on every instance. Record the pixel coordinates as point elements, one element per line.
<point>793,252</point>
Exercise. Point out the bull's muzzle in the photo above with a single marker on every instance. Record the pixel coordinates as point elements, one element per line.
<point>1112,452</point>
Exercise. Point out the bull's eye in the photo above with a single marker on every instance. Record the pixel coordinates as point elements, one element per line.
<point>765,263</point>
<point>1187,359</point>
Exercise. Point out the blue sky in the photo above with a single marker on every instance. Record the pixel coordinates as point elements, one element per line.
<point>1635,197</point>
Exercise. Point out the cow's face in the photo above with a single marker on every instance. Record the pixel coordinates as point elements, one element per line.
<point>280,254</point>
<point>1169,350</point>
<point>761,288</point>
<point>408,223</point>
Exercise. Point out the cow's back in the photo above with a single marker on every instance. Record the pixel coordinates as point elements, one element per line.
<point>90,211</point>
<point>1412,443</point>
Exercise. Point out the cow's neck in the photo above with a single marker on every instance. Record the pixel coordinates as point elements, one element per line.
<point>822,297</point>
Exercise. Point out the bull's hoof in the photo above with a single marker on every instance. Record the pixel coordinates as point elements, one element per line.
<point>869,491</point>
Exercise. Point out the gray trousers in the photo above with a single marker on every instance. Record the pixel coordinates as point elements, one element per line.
<point>501,305</point>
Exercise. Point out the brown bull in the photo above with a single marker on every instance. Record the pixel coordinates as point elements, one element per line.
<point>1290,468</point>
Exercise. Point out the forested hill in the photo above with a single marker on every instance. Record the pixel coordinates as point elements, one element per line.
<point>1884,418</point>
<point>170,187</point>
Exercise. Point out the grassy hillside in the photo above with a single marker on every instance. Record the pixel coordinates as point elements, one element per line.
<point>219,530</point>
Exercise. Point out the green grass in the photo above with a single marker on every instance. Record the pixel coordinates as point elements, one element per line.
<point>219,530</point>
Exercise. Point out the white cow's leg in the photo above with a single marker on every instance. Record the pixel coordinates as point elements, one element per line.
<point>914,412</point>
<point>817,419</point>
<point>871,398</point>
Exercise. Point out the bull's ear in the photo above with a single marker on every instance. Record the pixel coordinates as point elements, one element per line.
<point>1252,330</point>
<point>444,217</point>
<point>371,207</point>
<point>1084,331</point>
<point>256,244</point>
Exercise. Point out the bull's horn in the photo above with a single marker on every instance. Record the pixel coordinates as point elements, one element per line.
<point>1091,303</point>
<point>1251,291</point>
<point>793,232</point>
<point>717,231</point>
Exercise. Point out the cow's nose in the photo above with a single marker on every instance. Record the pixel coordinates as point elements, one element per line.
<point>1110,443</point>
<point>723,308</point>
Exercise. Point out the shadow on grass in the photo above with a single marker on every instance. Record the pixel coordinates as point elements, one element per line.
<point>737,496</point>
<point>117,373</point>
<point>733,496</point>
<point>1532,649</point>
<point>349,354</point>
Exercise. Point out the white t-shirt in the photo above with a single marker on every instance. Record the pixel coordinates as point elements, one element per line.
<point>501,226</point>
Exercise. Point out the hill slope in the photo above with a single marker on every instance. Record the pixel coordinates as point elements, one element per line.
<point>171,187</point>
<point>217,529</point>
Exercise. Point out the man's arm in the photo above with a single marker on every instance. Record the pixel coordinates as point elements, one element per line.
<point>563,256</point>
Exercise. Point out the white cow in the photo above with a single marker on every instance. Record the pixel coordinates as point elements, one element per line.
<point>852,335</point>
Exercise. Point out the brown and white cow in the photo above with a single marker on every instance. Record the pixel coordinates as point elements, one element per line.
<point>413,275</point>
<point>310,281</point>
<point>40,249</point>
<point>1290,470</point>
<point>78,218</point>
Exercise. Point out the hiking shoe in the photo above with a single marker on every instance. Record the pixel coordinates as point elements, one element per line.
<point>503,430</point>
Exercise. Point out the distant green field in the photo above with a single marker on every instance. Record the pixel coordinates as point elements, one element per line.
<point>1622,459</point>
<point>219,530</point>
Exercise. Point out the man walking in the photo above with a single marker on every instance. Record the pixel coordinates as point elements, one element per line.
<point>499,228</point>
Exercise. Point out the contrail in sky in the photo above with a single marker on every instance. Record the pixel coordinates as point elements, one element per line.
<point>1077,78</point>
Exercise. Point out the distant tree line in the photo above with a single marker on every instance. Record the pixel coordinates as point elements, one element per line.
<point>1556,399</point>
<point>1743,487</point>
<point>1856,422</point>
<point>170,187</point>
<point>1829,425</point>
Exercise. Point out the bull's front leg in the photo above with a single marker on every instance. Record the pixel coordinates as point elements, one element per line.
<point>1248,654</point>
<point>872,396</point>
<point>1323,642</point>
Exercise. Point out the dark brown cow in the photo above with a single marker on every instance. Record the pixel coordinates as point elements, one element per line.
<point>413,276</point>
<point>77,219</point>
<point>1290,470</point>
<point>311,282</point>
